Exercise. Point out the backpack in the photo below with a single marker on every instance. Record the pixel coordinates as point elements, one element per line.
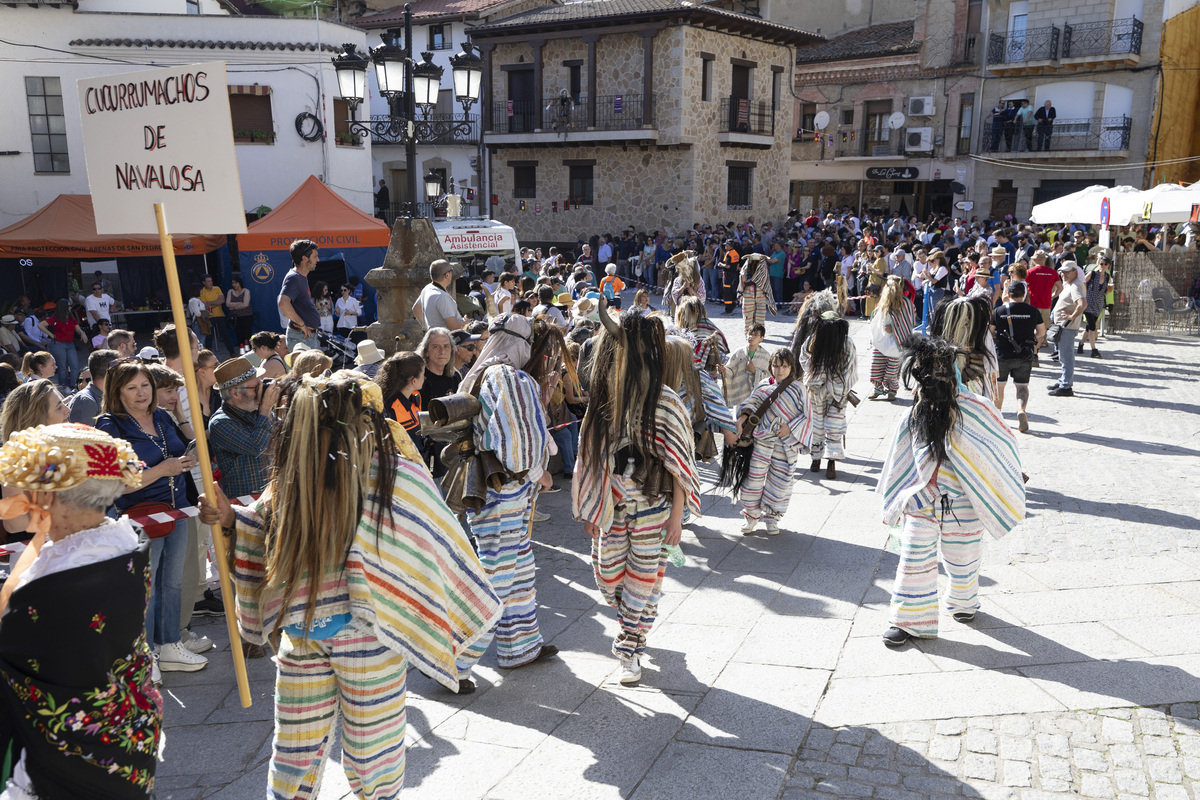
<point>607,287</point>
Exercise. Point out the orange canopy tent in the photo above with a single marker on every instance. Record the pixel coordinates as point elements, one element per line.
<point>314,212</point>
<point>66,228</point>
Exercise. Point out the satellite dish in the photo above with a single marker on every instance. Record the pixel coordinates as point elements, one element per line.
<point>896,120</point>
<point>821,120</point>
<point>957,187</point>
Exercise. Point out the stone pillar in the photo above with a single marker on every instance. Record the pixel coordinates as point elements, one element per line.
<point>399,281</point>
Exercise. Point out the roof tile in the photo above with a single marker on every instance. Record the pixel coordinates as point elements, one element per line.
<point>892,38</point>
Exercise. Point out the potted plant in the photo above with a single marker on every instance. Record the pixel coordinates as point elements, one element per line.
<point>243,135</point>
<point>262,136</point>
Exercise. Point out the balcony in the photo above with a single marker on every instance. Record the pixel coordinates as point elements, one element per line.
<point>1091,139</point>
<point>1093,45</point>
<point>1026,52</point>
<point>957,52</point>
<point>433,129</point>
<point>746,123</point>
<point>617,117</point>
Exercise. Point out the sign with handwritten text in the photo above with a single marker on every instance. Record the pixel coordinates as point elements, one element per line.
<point>161,136</point>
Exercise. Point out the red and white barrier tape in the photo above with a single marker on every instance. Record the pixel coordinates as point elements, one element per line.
<point>185,513</point>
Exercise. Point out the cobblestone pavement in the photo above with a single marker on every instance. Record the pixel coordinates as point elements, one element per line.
<point>766,677</point>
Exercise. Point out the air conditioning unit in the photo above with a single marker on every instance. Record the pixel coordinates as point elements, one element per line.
<point>920,106</point>
<point>918,140</point>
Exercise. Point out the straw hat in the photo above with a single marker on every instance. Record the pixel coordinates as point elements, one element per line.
<point>999,252</point>
<point>564,299</point>
<point>53,458</point>
<point>8,319</point>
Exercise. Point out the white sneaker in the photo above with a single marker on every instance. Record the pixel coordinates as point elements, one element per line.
<point>175,657</point>
<point>748,525</point>
<point>197,644</point>
<point>538,516</point>
<point>772,527</point>
<point>631,671</point>
<point>155,672</point>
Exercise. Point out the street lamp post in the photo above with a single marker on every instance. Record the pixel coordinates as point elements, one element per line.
<point>415,83</point>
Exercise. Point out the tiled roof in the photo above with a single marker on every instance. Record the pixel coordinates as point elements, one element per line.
<point>428,8</point>
<point>199,44</point>
<point>584,11</point>
<point>892,38</point>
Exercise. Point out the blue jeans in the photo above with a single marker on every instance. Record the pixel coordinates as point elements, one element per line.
<point>223,331</point>
<point>66,357</point>
<point>167,555</point>
<point>1066,356</point>
<point>565,438</point>
<point>712,283</point>
<point>777,289</point>
<point>294,336</point>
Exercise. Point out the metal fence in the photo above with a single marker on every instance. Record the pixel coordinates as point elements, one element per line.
<point>1039,44</point>
<point>1102,38</point>
<point>433,129</point>
<point>428,211</point>
<point>865,146</point>
<point>1137,275</point>
<point>739,115</point>
<point>562,113</point>
<point>1098,133</point>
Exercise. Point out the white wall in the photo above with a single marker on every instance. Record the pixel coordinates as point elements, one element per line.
<point>269,173</point>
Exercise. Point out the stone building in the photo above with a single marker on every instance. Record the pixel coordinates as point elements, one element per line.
<point>946,68</point>
<point>1097,63</point>
<point>651,113</point>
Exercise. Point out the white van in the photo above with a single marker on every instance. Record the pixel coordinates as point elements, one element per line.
<point>473,241</point>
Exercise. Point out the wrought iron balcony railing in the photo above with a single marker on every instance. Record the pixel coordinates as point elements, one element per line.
<point>1098,133</point>
<point>434,129</point>
<point>1118,37</point>
<point>565,113</point>
<point>739,115</point>
<point>871,145</point>
<point>1039,44</point>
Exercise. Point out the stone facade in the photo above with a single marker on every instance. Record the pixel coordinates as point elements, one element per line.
<point>669,176</point>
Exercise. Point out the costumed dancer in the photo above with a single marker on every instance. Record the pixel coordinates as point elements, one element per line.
<point>710,349</point>
<point>809,315</point>
<point>512,426</point>
<point>893,322</point>
<point>81,714</point>
<point>829,366</point>
<point>965,322</point>
<point>755,290</point>
<point>953,472</point>
<point>687,281</point>
<point>354,565</point>
<point>635,477</point>
<point>774,425</point>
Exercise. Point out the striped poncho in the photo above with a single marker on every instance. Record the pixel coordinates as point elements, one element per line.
<point>832,386</point>
<point>513,421</point>
<point>982,452</point>
<point>594,495</point>
<point>902,320</point>
<point>415,579</point>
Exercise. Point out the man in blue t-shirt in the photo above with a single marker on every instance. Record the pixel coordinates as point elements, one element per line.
<point>295,302</point>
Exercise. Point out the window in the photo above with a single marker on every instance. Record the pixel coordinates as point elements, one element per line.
<point>193,6</point>
<point>47,125</point>
<point>966,118</point>
<point>251,116</point>
<point>581,184</point>
<point>738,194</point>
<point>524,180</point>
<point>808,117</point>
<point>341,123</point>
<point>576,78</point>
<point>439,37</point>
<point>847,117</point>
<point>706,71</point>
<point>876,130</point>
<point>775,78</point>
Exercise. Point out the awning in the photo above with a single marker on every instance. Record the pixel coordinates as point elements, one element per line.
<point>66,228</point>
<point>316,212</point>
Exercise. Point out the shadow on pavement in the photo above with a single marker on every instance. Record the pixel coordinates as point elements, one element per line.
<point>1039,498</point>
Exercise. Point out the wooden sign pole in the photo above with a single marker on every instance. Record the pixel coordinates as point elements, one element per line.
<point>189,377</point>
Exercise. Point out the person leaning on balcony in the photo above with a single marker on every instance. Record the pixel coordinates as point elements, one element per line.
<point>1045,117</point>
<point>1025,124</point>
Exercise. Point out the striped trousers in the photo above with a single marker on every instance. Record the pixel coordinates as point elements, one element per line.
<point>352,675</point>
<point>501,530</point>
<point>885,372</point>
<point>828,428</point>
<point>754,308</point>
<point>629,566</point>
<point>915,594</point>
<point>768,486</point>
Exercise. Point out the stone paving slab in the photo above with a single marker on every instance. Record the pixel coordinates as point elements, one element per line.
<point>765,676</point>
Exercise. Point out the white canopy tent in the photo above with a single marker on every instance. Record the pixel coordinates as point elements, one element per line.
<point>1169,202</point>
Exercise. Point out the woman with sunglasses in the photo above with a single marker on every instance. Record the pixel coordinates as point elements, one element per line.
<point>348,311</point>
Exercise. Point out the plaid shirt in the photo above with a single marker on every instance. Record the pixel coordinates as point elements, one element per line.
<point>238,441</point>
